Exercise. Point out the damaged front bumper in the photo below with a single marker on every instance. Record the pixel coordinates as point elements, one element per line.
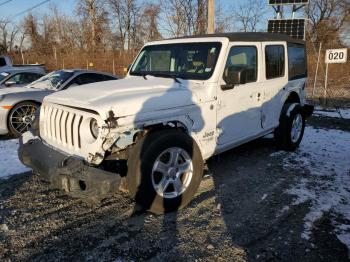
<point>67,173</point>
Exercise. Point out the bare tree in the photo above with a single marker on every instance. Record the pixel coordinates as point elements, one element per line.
<point>3,34</point>
<point>224,23</point>
<point>185,17</point>
<point>201,17</point>
<point>95,19</point>
<point>150,22</point>
<point>126,14</point>
<point>30,25</point>
<point>249,15</point>
<point>328,18</point>
<point>12,38</point>
<point>8,33</point>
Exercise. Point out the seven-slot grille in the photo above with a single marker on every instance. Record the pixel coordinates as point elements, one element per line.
<point>61,126</point>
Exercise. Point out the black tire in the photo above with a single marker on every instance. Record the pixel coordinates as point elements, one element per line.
<point>17,129</point>
<point>141,162</point>
<point>283,133</point>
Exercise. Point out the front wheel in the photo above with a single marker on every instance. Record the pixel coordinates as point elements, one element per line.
<point>164,171</point>
<point>290,131</point>
<point>21,117</point>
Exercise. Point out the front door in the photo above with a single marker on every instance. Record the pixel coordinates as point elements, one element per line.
<point>239,108</point>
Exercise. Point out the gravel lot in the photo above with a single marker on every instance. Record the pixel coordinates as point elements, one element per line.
<point>254,204</point>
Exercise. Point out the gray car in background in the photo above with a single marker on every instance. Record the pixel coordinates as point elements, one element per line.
<point>17,77</point>
<point>18,104</point>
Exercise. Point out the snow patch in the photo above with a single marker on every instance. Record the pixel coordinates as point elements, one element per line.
<point>342,113</point>
<point>324,156</point>
<point>9,162</point>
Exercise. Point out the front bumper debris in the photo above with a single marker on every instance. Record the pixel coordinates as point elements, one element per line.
<point>67,173</point>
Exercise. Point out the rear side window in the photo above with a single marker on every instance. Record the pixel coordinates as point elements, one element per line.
<point>297,62</point>
<point>2,61</point>
<point>100,77</point>
<point>275,61</point>
<point>108,78</point>
<point>88,78</point>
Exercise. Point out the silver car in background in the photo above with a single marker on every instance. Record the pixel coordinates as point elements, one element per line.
<point>18,104</point>
<point>17,77</point>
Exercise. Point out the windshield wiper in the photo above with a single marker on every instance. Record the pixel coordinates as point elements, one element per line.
<point>143,74</point>
<point>167,76</point>
<point>175,79</point>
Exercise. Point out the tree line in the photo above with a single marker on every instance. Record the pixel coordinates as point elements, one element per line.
<point>110,25</point>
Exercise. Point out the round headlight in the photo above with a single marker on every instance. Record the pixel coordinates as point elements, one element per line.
<point>95,130</point>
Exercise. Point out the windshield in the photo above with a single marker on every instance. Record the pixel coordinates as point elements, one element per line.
<point>53,80</point>
<point>3,75</point>
<point>182,60</point>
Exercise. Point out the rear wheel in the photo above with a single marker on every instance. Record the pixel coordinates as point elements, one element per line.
<point>21,117</point>
<point>290,132</point>
<point>164,171</point>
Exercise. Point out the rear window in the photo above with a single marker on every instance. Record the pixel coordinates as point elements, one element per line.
<point>297,61</point>
<point>275,61</point>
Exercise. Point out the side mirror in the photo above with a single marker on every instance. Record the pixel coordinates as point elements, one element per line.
<point>234,76</point>
<point>10,83</point>
<point>129,66</point>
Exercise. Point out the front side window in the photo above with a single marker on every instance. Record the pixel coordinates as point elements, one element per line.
<point>275,61</point>
<point>24,78</point>
<point>183,60</point>
<point>243,58</point>
<point>297,61</point>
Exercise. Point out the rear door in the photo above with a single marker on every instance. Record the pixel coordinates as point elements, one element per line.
<point>276,79</point>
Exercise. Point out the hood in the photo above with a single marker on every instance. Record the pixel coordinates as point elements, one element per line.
<point>128,96</point>
<point>16,90</point>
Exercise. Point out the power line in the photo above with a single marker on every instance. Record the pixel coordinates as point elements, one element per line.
<point>30,9</point>
<point>4,3</point>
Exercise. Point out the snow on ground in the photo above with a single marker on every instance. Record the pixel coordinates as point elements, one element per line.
<point>325,156</point>
<point>344,113</point>
<point>9,162</point>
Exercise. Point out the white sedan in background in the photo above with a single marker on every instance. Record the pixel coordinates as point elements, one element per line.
<point>18,104</point>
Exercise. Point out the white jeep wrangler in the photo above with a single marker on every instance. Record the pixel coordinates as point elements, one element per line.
<point>183,101</point>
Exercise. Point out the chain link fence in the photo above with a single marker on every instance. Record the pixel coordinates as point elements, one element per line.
<point>338,87</point>
<point>112,62</point>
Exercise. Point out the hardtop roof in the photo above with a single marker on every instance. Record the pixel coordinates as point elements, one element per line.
<point>250,37</point>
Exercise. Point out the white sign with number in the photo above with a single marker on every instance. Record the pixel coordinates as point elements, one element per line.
<point>336,56</point>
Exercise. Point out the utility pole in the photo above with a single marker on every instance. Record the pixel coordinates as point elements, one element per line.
<point>92,14</point>
<point>211,16</point>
